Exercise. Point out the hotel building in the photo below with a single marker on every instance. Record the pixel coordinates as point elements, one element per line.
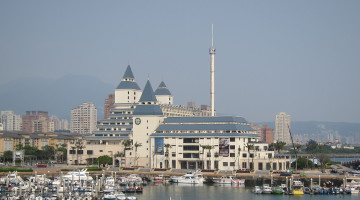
<point>163,135</point>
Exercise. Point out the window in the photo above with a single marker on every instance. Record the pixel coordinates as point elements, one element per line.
<point>232,139</point>
<point>208,155</point>
<point>191,140</point>
<point>225,164</point>
<point>100,150</point>
<point>244,165</point>
<point>274,166</point>
<point>260,166</point>
<point>173,154</point>
<point>80,151</point>
<point>251,155</point>
<point>89,152</point>
<point>72,152</point>
<point>232,164</point>
<point>191,148</point>
<point>232,154</point>
<point>268,166</point>
<point>244,155</point>
<point>190,155</point>
<point>232,146</point>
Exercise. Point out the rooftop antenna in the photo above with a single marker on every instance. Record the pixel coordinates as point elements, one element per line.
<point>212,72</point>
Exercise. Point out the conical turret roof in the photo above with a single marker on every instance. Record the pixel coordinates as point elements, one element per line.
<point>162,89</point>
<point>128,73</point>
<point>148,93</point>
<point>128,81</point>
<point>146,108</point>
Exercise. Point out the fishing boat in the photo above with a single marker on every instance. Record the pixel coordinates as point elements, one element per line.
<point>298,187</point>
<point>277,190</point>
<point>159,178</point>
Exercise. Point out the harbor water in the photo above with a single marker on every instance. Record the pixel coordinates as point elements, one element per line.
<point>221,192</point>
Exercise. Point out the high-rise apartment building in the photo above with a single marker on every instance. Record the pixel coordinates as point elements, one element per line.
<point>64,124</point>
<point>83,118</point>
<point>35,122</point>
<point>10,121</point>
<point>282,128</point>
<point>267,134</point>
<point>109,104</point>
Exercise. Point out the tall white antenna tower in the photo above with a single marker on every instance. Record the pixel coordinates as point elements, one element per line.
<point>212,72</point>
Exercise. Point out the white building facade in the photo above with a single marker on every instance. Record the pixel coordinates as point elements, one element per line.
<point>10,121</point>
<point>282,128</point>
<point>83,118</point>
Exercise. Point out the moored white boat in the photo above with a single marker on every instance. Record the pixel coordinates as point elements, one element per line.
<point>81,175</point>
<point>229,180</point>
<point>189,178</point>
<point>266,189</point>
<point>257,190</point>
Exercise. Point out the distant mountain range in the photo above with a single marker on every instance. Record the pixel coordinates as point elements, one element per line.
<point>57,97</point>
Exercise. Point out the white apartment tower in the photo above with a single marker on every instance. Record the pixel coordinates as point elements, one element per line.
<point>282,128</point>
<point>83,118</point>
<point>10,121</point>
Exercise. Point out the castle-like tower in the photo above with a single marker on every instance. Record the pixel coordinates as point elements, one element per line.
<point>128,90</point>
<point>163,94</point>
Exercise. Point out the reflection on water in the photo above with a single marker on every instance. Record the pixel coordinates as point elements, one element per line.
<point>220,192</point>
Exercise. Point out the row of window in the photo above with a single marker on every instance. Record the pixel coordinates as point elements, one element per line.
<point>89,152</point>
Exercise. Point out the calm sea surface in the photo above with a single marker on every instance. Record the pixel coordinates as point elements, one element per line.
<point>219,192</point>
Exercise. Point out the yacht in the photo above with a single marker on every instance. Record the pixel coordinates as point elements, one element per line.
<point>229,180</point>
<point>81,175</point>
<point>189,178</point>
<point>266,189</point>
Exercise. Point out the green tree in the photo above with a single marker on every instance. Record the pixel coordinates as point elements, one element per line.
<point>206,147</point>
<point>127,144</point>
<point>63,153</point>
<point>31,150</point>
<point>8,156</point>
<point>249,148</point>
<point>323,160</point>
<point>19,147</point>
<point>167,147</point>
<point>312,147</point>
<point>103,160</point>
<point>279,145</point>
<point>48,152</point>
<point>303,163</point>
<point>137,145</point>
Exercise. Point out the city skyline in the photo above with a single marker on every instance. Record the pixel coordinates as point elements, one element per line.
<point>295,57</point>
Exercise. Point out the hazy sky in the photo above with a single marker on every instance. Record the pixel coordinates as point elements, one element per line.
<point>298,57</point>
